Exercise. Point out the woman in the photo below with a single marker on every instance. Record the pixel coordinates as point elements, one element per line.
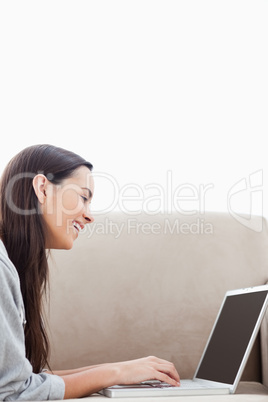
<point>45,195</point>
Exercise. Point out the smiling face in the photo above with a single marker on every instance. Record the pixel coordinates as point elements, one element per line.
<point>65,207</point>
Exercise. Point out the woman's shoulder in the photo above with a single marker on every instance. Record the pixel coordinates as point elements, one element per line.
<point>10,283</point>
<point>6,266</point>
<point>3,250</point>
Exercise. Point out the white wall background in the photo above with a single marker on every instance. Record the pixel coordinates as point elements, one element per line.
<point>157,93</point>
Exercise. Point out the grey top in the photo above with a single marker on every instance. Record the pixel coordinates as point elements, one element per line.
<point>17,380</point>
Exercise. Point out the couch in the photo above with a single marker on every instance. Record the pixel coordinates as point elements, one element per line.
<point>139,285</point>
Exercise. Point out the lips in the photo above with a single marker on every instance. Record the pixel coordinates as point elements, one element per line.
<point>78,226</point>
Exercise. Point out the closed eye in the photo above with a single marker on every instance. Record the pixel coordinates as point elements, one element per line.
<point>85,199</point>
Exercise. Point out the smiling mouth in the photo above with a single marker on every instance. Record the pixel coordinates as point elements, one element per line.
<point>77,226</point>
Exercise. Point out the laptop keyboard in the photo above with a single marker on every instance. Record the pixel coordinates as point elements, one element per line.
<point>192,384</point>
<point>188,384</point>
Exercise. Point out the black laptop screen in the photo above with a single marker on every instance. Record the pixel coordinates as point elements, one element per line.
<point>231,336</point>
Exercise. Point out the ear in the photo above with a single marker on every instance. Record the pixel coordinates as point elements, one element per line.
<point>40,183</point>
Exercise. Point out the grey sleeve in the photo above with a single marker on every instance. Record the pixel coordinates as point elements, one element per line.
<point>17,381</point>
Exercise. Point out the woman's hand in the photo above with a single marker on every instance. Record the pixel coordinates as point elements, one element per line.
<point>85,381</point>
<point>148,368</point>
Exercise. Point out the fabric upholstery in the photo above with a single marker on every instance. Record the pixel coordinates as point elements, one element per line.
<point>152,289</point>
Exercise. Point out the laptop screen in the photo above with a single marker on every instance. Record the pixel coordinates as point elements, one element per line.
<point>230,337</point>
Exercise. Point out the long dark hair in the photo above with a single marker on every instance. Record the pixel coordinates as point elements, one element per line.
<point>22,231</point>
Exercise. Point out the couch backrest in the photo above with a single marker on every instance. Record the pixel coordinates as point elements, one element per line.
<point>150,285</point>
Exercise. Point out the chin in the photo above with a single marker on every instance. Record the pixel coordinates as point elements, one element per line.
<point>68,244</point>
<point>63,245</point>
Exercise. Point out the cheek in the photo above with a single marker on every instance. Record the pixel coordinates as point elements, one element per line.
<point>70,203</point>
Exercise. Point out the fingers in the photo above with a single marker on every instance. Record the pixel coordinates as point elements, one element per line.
<point>148,368</point>
<point>169,370</point>
<point>166,378</point>
<point>166,369</point>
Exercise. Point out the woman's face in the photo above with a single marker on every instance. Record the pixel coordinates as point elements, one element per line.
<point>66,209</point>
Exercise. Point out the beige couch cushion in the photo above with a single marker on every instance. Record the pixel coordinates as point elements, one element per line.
<point>153,289</point>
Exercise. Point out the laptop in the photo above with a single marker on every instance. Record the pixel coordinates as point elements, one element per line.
<point>225,354</point>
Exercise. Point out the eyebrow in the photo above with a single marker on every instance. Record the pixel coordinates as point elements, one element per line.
<point>89,191</point>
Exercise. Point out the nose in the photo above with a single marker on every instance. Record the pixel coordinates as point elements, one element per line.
<point>88,217</point>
